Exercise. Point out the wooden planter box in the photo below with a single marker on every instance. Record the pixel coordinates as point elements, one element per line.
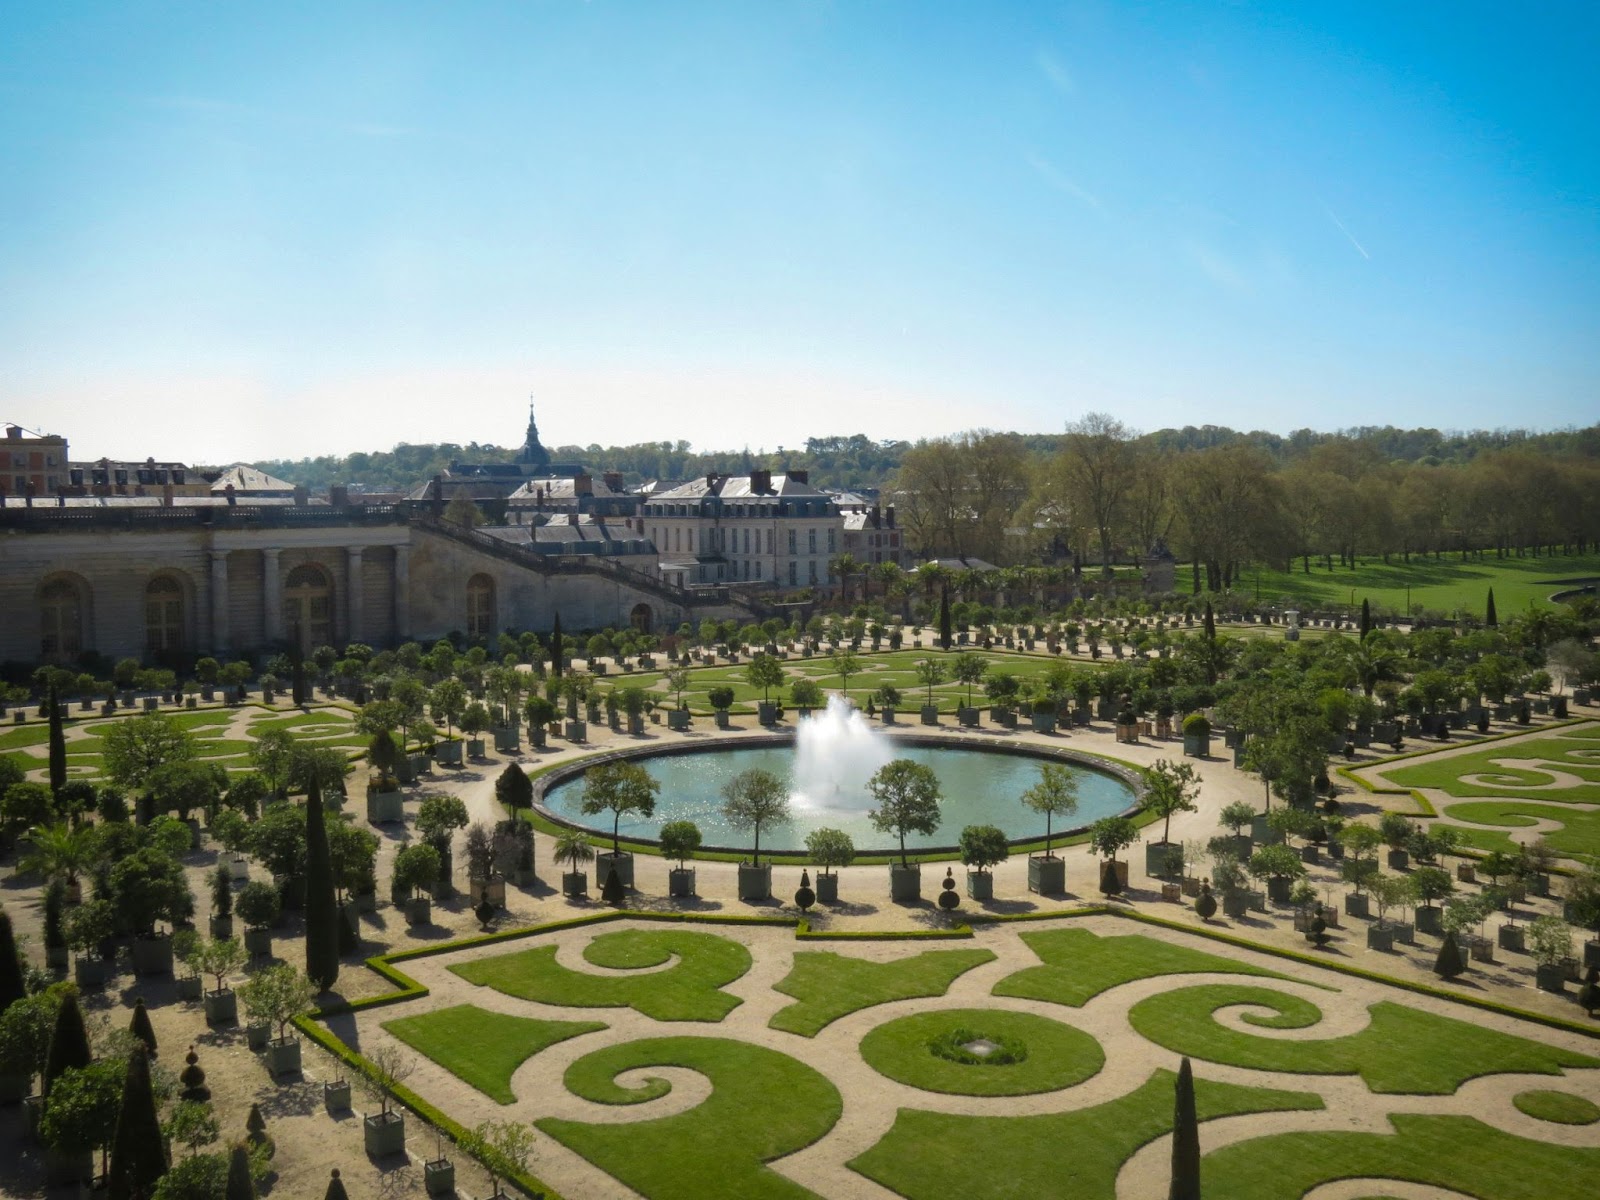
<point>905,883</point>
<point>188,987</point>
<point>1399,860</point>
<point>152,956</point>
<point>577,731</point>
<point>980,885</point>
<point>678,719</point>
<point>1190,885</point>
<point>1482,949</point>
<point>680,882</point>
<point>574,883</point>
<point>1278,887</point>
<point>827,888</point>
<point>385,808</point>
<point>258,942</point>
<point>336,1095</point>
<point>419,910</point>
<point>967,717</point>
<point>384,1134</point>
<point>439,1177</point>
<point>605,860</point>
<point>239,869</point>
<point>283,1056</point>
<point>1430,919</point>
<point>767,713</point>
<point>222,1008</point>
<point>1197,745</point>
<point>257,1035</point>
<point>475,747</point>
<point>1235,904</point>
<point>755,883</point>
<point>1047,876</point>
<point>221,927</point>
<point>1355,904</point>
<point>1513,938</point>
<point>1550,977</point>
<point>1172,893</point>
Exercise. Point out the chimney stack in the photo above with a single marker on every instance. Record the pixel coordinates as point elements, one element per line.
<point>888,516</point>
<point>613,480</point>
<point>228,491</point>
<point>760,482</point>
<point>800,476</point>
<point>14,432</point>
<point>339,495</point>
<point>166,495</point>
<point>583,485</point>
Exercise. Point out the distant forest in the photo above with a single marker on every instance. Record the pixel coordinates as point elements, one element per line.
<point>859,462</point>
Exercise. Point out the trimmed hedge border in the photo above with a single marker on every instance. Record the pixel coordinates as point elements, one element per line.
<point>804,932</point>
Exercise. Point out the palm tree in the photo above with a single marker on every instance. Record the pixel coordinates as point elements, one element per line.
<point>60,851</point>
<point>844,566</point>
<point>1373,662</point>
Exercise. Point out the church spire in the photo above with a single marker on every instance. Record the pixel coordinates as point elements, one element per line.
<point>533,452</point>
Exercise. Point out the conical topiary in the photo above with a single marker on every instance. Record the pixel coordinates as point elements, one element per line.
<point>140,1027</point>
<point>484,912</point>
<point>1185,1140</point>
<point>1110,881</point>
<point>240,1185</point>
<point>69,1042</point>
<point>1449,963</point>
<point>1366,618</point>
<point>613,892</point>
<point>322,915</point>
<point>12,985</point>
<point>138,1148</point>
<point>1589,993</point>
<point>1490,617</point>
<point>256,1125</point>
<point>804,898</point>
<point>335,1188</point>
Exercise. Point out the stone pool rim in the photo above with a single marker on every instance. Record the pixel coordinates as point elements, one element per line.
<point>564,772</point>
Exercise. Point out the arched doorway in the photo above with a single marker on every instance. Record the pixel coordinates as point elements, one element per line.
<point>308,607</point>
<point>480,608</point>
<point>61,609</point>
<point>640,618</point>
<point>163,617</point>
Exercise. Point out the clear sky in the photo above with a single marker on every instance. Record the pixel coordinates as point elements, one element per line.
<point>237,231</point>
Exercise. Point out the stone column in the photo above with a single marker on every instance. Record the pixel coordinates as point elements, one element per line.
<point>219,601</point>
<point>272,596</point>
<point>352,558</point>
<point>402,592</point>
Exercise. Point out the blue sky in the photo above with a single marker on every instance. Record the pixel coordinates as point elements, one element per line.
<point>232,232</point>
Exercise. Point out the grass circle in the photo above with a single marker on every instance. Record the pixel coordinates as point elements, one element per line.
<point>1563,1108</point>
<point>917,1051</point>
<point>955,1045</point>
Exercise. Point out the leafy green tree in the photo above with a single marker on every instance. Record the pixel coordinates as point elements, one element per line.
<point>1109,835</point>
<point>679,841</point>
<point>930,674</point>
<point>137,746</point>
<point>983,846</point>
<point>415,867</point>
<point>193,1124</point>
<point>148,886</point>
<point>830,849</point>
<point>138,1147</point>
<point>23,806</point>
<point>278,841</point>
<point>1055,795</point>
<point>968,668</point>
<point>618,788</point>
<point>752,799</point>
<point>908,801</point>
<point>81,1117</point>
<point>845,664</point>
<point>322,914</point>
<point>447,703</point>
<point>766,673</point>
<point>805,693</point>
<point>270,755</point>
<point>513,788</point>
<point>1170,787</point>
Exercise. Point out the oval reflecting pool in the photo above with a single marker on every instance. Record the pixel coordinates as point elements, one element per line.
<point>979,788</point>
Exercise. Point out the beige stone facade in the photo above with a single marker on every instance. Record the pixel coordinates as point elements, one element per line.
<point>174,582</point>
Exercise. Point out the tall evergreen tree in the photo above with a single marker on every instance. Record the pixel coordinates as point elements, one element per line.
<point>1491,618</point>
<point>12,985</point>
<point>1210,623</point>
<point>141,1028</point>
<point>138,1148</point>
<point>1448,965</point>
<point>1185,1140</point>
<point>513,788</point>
<point>58,744</point>
<point>322,914</point>
<point>240,1185</point>
<point>944,618</point>
<point>1366,618</point>
<point>555,647</point>
<point>612,892</point>
<point>69,1043</point>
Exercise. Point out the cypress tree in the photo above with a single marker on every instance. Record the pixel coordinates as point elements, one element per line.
<point>69,1043</point>
<point>12,985</point>
<point>613,892</point>
<point>1589,993</point>
<point>1366,618</point>
<point>335,1188</point>
<point>1491,619</point>
<point>944,618</point>
<point>322,916</point>
<point>1185,1140</point>
<point>240,1185</point>
<point>138,1148</point>
<point>1211,643</point>
<point>58,745</point>
<point>1110,882</point>
<point>1210,623</point>
<point>555,647</point>
<point>1448,965</point>
<point>513,788</point>
<point>140,1027</point>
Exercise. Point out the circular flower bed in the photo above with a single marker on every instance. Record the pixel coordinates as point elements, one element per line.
<point>982,1052</point>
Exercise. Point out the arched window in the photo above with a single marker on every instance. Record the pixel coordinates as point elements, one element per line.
<point>163,616</point>
<point>308,607</point>
<point>480,607</point>
<point>639,618</point>
<point>61,621</point>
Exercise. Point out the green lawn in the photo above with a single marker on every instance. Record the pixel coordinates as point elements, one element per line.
<point>763,1105</point>
<point>1058,1055</point>
<point>827,986</point>
<point>1077,1154</point>
<point>1578,837</point>
<point>482,1047</point>
<point>688,990</point>
<point>1573,753</point>
<point>1457,1153</point>
<point>1561,1107</point>
<point>1444,585</point>
<point>1401,1050</point>
<point>1079,965</point>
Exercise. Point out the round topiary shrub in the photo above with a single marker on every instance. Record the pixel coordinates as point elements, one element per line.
<point>1197,724</point>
